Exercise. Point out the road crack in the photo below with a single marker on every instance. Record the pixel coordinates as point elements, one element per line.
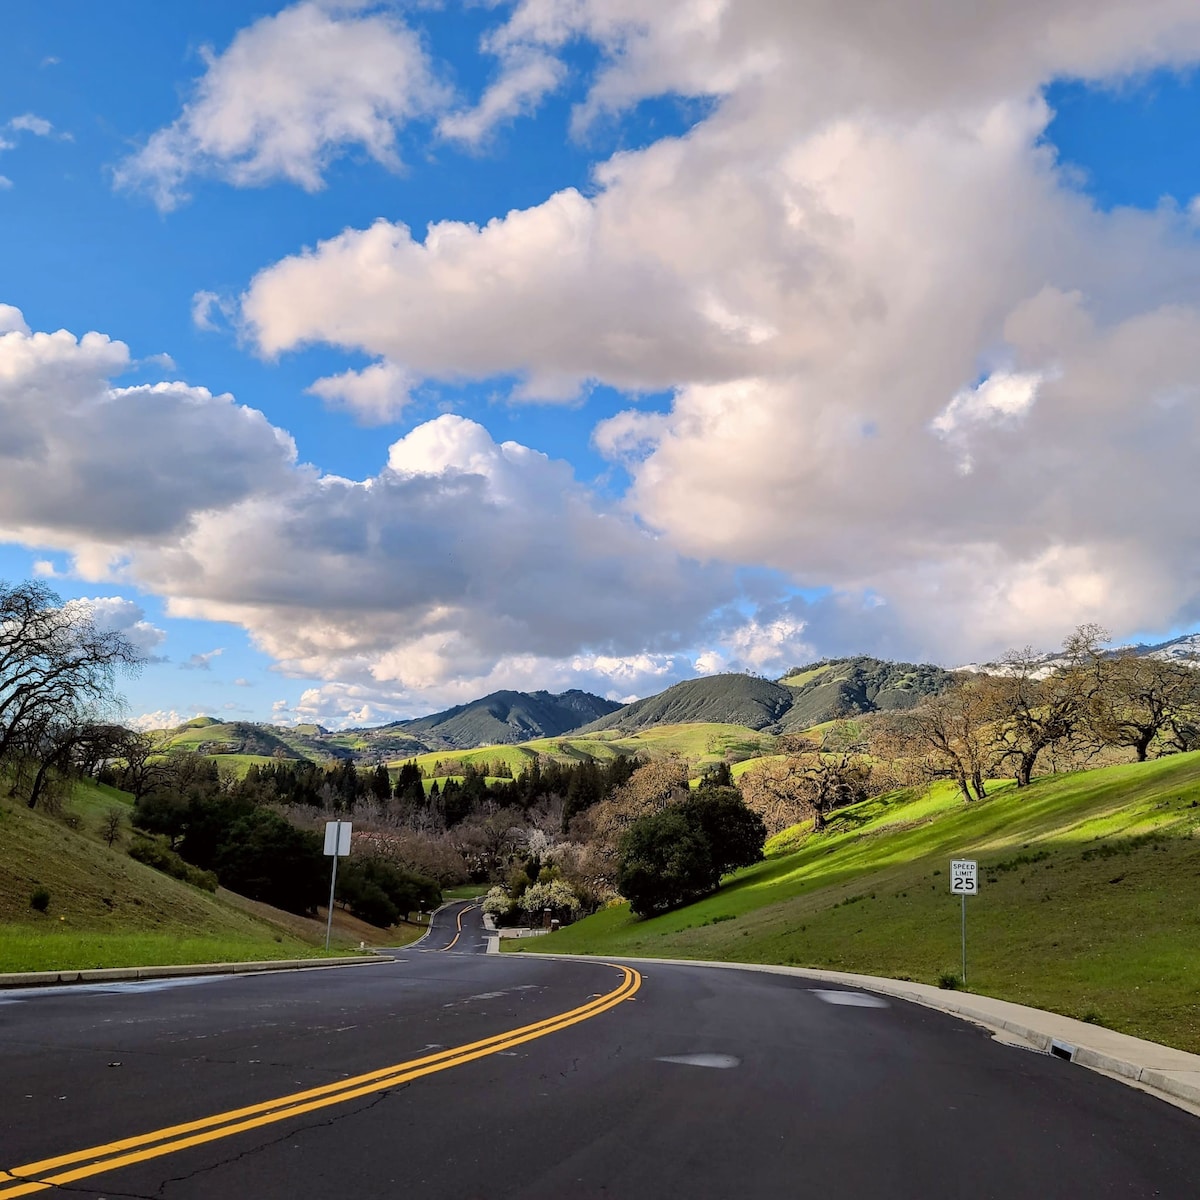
<point>160,1192</point>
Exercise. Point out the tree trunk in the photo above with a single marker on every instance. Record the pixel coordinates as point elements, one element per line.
<point>1142,745</point>
<point>1025,769</point>
<point>978,783</point>
<point>39,781</point>
<point>963,787</point>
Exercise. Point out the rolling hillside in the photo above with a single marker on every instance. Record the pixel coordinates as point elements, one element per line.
<point>716,699</point>
<point>105,909</point>
<point>850,686</point>
<point>1089,901</point>
<point>729,716</point>
<point>502,718</point>
<point>697,742</point>
<point>206,736</point>
<point>806,697</point>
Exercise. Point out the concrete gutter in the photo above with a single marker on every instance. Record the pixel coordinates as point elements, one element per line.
<point>1172,1075</point>
<point>132,974</point>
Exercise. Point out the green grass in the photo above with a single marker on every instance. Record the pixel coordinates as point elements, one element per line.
<point>697,742</point>
<point>239,764</point>
<point>468,891</point>
<point>23,948</point>
<point>1089,903</point>
<point>753,764</point>
<point>800,678</point>
<point>516,757</point>
<point>91,801</point>
<point>106,909</point>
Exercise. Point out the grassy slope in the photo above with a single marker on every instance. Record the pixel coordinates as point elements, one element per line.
<point>799,678</point>
<point>1089,905</point>
<point>105,908</point>
<point>699,742</point>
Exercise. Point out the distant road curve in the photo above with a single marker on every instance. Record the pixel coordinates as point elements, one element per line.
<point>457,926</point>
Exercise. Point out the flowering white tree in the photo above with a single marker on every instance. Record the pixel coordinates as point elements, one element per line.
<point>555,895</point>
<point>497,902</point>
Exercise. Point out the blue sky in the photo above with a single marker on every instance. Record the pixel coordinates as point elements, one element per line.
<point>775,334</point>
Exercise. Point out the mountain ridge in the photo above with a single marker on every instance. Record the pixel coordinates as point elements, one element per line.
<point>505,718</point>
<point>804,696</point>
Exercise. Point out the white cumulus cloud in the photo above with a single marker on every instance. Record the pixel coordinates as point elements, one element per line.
<point>291,92</point>
<point>377,394</point>
<point>116,614</point>
<point>865,223</point>
<point>461,562</point>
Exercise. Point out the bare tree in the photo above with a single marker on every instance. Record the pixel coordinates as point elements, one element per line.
<point>809,785</point>
<point>111,825</point>
<point>649,789</point>
<point>1034,707</point>
<point>1141,699</point>
<point>57,669</point>
<point>951,729</point>
<point>63,748</point>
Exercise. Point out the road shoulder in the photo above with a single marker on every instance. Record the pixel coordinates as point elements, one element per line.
<point>1172,1075</point>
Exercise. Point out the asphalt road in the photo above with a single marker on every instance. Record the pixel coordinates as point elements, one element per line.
<point>675,1081</point>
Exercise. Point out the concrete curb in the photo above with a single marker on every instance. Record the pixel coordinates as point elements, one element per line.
<point>1172,1075</point>
<point>133,974</point>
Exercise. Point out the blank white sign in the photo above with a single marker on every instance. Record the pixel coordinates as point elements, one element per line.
<point>337,838</point>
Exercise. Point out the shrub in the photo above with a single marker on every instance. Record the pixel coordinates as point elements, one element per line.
<point>664,861</point>
<point>501,905</point>
<point>40,899</point>
<point>555,896</point>
<point>264,857</point>
<point>678,855</point>
<point>380,892</point>
<point>156,853</point>
<point>949,980</point>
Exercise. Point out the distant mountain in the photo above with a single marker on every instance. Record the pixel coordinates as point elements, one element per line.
<point>726,699</point>
<point>207,736</point>
<point>807,696</point>
<point>501,718</point>
<point>1185,649</point>
<point>845,687</point>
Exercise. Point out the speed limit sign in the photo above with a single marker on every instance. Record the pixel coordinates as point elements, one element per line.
<point>964,882</point>
<point>964,877</point>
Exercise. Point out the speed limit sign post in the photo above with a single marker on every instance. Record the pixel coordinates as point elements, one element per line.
<point>964,882</point>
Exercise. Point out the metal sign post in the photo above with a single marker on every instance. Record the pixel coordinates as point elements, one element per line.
<point>337,845</point>
<point>964,882</point>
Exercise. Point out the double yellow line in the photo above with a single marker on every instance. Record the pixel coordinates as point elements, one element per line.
<point>462,912</point>
<point>111,1156</point>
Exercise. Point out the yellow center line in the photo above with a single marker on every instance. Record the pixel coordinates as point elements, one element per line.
<point>461,913</point>
<point>110,1156</point>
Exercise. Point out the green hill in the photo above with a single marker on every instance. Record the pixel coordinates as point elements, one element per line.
<point>699,743</point>
<point>500,719</point>
<point>104,908</point>
<point>716,699</point>
<point>851,686</point>
<point>235,737</point>
<point>806,697</point>
<point>1089,902</point>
